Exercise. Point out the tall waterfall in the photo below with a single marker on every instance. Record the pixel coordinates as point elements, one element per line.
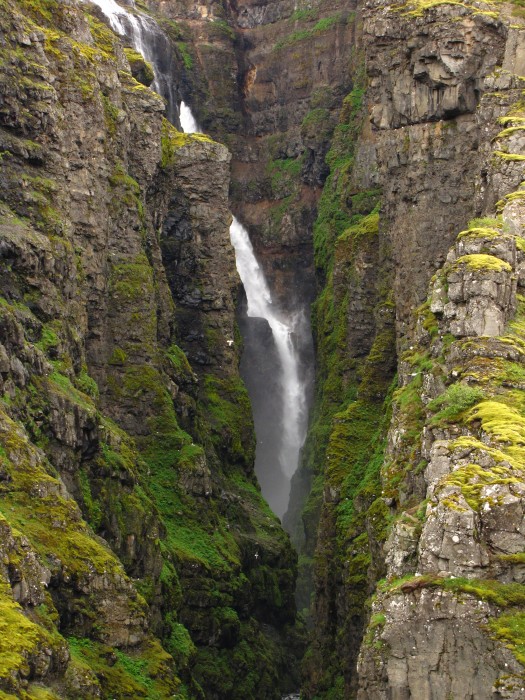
<point>285,427</point>
<point>294,404</point>
<point>146,37</point>
<point>291,416</point>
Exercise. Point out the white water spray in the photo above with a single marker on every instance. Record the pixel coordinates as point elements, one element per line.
<point>187,120</point>
<point>294,400</point>
<point>294,404</point>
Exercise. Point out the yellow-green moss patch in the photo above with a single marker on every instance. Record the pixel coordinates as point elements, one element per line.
<point>481,261</point>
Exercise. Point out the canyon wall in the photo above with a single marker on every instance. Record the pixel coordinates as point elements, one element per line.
<point>375,152</point>
<point>130,512</point>
<point>414,159</point>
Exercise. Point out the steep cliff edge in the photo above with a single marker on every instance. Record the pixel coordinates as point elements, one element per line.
<point>130,515</point>
<point>412,163</point>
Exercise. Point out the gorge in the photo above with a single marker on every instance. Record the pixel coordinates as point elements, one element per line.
<point>375,154</point>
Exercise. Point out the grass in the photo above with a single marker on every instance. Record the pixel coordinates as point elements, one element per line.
<point>456,399</point>
<point>320,27</point>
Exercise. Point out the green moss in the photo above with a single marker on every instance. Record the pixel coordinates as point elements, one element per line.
<point>48,338</point>
<point>302,15</point>
<point>144,673</point>
<point>510,629</point>
<point>472,478</point>
<point>179,643</point>
<point>334,215</point>
<point>320,27</point>
<point>19,636</point>
<point>126,190</point>
<point>480,232</point>
<point>456,399</point>
<point>185,54</point>
<point>140,68</point>
<point>418,8</point>
<point>179,361</point>
<point>59,383</point>
<point>171,141</point>
<point>132,282</point>
<point>92,507</point>
<point>509,156</point>
<point>86,384</point>
<point>229,412</point>
<point>118,357</point>
<point>483,262</point>
<point>284,176</point>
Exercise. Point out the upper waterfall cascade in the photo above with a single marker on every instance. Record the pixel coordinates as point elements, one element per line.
<point>149,40</point>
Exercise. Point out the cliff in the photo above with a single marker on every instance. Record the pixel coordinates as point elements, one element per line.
<point>375,152</point>
<point>427,154</point>
<point>130,514</point>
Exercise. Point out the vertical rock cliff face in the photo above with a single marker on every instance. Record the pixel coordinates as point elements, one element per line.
<point>130,514</point>
<point>138,558</point>
<point>412,162</point>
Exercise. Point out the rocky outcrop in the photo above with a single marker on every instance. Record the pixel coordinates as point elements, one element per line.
<point>462,558</point>
<point>450,477</point>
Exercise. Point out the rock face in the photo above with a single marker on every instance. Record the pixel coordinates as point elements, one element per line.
<point>129,509</point>
<point>138,558</point>
<point>420,151</point>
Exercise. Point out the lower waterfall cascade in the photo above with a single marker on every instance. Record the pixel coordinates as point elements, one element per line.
<point>277,458</point>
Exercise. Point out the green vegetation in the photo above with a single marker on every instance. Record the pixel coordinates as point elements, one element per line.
<point>171,141</point>
<point>126,190</point>
<point>321,26</point>
<point>284,176</point>
<point>19,636</point>
<point>418,8</point>
<point>510,629</point>
<point>228,410</point>
<point>140,68</point>
<point>454,402</point>
<point>517,157</point>
<point>334,215</point>
<point>186,56</point>
<point>483,262</point>
<point>143,674</point>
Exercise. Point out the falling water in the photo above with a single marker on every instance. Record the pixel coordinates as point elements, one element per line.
<point>294,407</point>
<point>149,40</point>
<point>294,403</point>
<point>187,120</point>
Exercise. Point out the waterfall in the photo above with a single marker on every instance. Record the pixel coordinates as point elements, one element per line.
<point>282,420</point>
<point>291,416</point>
<point>294,404</point>
<point>146,37</point>
<point>187,120</point>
